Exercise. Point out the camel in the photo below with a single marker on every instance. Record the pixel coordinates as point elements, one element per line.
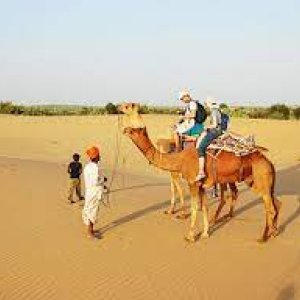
<point>131,110</point>
<point>254,169</point>
<point>167,146</point>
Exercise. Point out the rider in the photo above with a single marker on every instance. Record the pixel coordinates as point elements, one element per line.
<point>188,125</point>
<point>212,131</point>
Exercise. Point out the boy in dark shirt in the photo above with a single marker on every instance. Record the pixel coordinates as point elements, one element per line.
<point>75,170</point>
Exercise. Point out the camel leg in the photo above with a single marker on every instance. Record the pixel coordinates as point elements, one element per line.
<point>277,206</point>
<point>171,209</point>
<point>270,215</point>
<point>179,189</point>
<point>222,202</point>
<point>234,196</point>
<point>204,208</point>
<point>194,192</point>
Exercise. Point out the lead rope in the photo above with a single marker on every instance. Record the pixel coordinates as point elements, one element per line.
<point>107,203</point>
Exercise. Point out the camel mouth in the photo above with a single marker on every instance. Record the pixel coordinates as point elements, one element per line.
<point>127,130</point>
<point>131,130</point>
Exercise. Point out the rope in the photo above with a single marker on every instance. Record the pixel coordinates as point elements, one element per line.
<point>115,163</point>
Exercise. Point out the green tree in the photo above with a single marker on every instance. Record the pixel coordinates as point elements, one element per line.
<point>296,113</point>
<point>279,111</point>
<point>111,109</point>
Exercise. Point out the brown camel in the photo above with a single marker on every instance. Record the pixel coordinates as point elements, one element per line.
<point>254,169</point>
<point>167,146</point>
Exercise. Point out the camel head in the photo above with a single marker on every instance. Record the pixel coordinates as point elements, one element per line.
<point>132,117</point>
<point>129,108</point>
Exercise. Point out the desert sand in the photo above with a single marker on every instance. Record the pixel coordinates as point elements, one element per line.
<point>142,254</point>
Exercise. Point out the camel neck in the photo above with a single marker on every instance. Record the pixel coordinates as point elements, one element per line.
<point>169,162</point>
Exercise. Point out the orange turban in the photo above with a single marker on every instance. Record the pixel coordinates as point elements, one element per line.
<point>93,152</point>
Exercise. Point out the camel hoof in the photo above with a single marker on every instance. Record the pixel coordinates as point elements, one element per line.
<point>262,240</point>
<point>169,212</point>
<point>274,233</point>
<point>182,216</point>
<point>191,238</point>
<point>230,215</point>
<point>204,235</point>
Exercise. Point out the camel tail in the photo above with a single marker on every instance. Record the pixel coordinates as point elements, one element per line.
<point>274,180</point>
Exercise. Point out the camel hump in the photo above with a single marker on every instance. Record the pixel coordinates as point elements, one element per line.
<point>166,144</point>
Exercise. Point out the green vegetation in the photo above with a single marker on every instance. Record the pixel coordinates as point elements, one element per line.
<point>277,111</point>
<point>50,110</point>
<point>296,113</point>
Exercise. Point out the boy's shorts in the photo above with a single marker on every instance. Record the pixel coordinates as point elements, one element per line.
<point>196,130</point>
<point>190,128</point>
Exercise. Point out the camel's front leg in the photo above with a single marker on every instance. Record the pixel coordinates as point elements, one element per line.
<point>179,190</point>
<point>177,183</point>
<point>194,191</point>
<point>171,209</point>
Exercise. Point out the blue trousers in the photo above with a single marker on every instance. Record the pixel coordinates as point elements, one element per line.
<point>207,139</point>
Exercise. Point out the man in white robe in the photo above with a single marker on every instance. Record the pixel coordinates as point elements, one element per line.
<point>94,186</point>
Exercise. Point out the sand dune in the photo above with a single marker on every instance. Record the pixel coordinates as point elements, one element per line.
<point>142,255</point>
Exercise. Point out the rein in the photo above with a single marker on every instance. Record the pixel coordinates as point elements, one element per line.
<point>115,164</point>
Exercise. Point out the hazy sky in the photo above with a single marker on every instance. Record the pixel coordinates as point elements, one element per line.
<point>94,51</point>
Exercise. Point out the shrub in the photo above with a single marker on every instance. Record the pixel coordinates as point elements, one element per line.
<point>111,109</point>
<point>144,109</point>
<point>224,106</point>
<point>279,112</point>
<point>258,113</point>
<point>296,113</point>
<point>6,107</point>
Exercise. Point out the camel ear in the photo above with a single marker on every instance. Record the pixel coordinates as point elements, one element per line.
<point>136,106</point>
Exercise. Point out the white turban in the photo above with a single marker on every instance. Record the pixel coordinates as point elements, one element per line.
<point>211,102</point>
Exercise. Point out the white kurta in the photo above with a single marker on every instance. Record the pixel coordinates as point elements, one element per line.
<point>93,192</point>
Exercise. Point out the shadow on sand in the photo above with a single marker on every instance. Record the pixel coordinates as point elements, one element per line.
<point>134,216</point>
<point>287,293</point>
<point>287,183</point>
<point>134,187</point>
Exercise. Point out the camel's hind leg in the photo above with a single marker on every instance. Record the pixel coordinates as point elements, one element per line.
<point>223,188</point>
<point>277,206</point>
<point>270,211</point>
<point>264,185</point>
<point>234,196</point>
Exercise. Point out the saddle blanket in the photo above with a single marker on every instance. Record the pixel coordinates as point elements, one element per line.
<point>237,144</point>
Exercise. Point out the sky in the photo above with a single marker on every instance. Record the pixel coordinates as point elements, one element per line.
<point>94,51</point>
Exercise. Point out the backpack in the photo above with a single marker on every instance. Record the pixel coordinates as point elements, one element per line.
<point>224,121</point>
<point>201,114</point>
